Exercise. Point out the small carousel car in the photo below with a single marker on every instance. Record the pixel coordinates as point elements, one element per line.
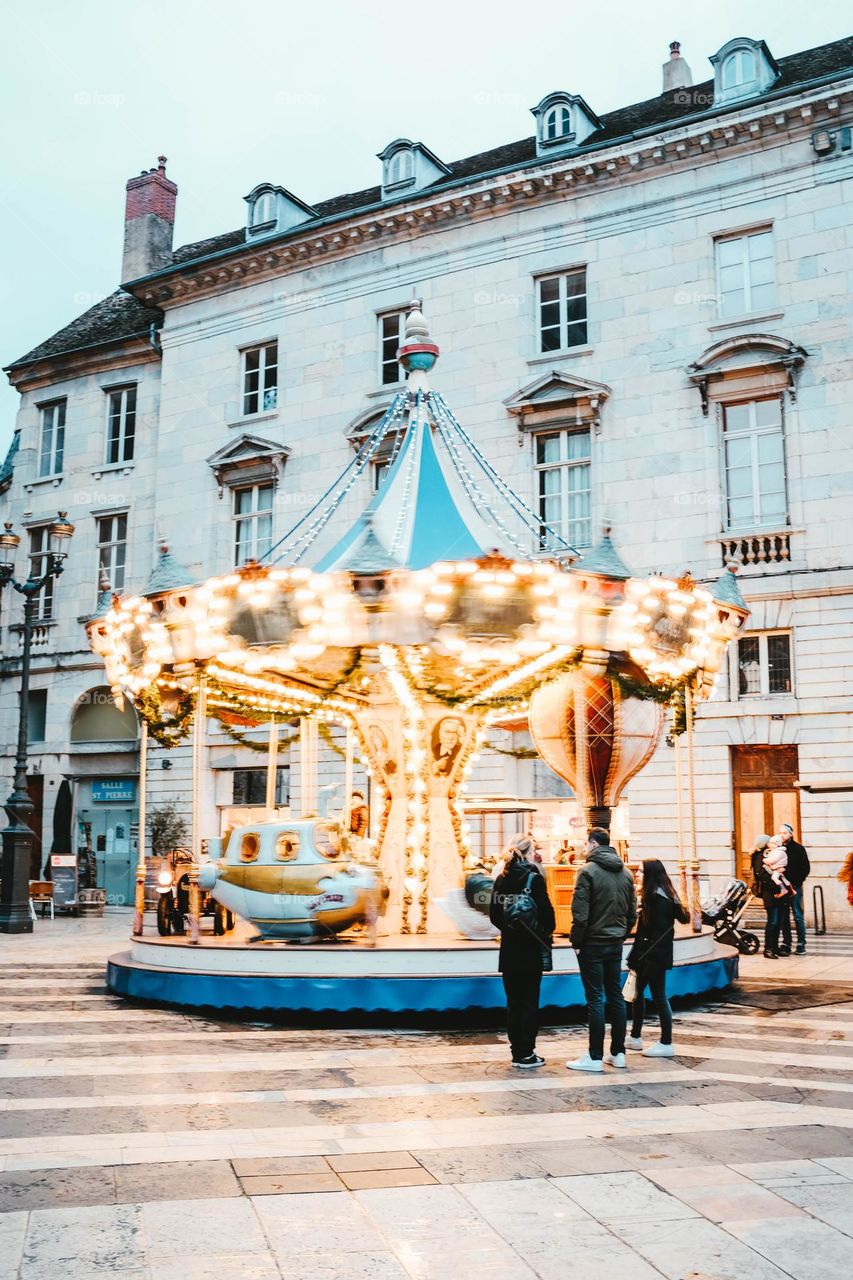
<point>294,880</point>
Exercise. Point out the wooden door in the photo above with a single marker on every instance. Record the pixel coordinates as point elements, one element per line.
<point>765,796</point>
<point>35,790</point>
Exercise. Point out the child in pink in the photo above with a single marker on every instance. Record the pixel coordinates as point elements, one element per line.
<point>775,862</point>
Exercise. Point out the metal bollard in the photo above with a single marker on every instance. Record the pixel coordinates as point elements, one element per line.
<point>818,909</point>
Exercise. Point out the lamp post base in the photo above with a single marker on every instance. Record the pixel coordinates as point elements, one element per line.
<point>15,876</point>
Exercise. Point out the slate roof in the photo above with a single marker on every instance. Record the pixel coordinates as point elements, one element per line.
<point>7,469</point>
<point>114,319</point>
<point>121,316</point>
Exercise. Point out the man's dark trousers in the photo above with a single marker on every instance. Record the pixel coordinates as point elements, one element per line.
<point>522,1010</point>
<point>601,973</point>
<point>794,905</point>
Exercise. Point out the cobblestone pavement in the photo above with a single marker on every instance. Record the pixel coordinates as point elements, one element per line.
<point>148,1144</point>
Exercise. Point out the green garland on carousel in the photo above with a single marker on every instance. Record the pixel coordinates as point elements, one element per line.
<point>168,730</point>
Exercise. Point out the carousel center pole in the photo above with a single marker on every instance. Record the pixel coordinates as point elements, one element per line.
<point>695,903</point>
<point>199,729</point>
<point>139,900</point>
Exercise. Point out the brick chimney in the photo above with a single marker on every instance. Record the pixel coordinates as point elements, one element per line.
<point>149,222</point>
<point>676,72</point>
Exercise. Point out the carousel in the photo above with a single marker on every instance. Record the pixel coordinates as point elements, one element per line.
<point>443,610</point>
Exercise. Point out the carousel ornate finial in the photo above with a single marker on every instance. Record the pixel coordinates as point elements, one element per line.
<point>105,595</point>
<point>418,352</point>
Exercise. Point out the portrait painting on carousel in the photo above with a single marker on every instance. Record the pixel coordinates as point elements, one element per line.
<point>383,756</point>
<point>446,741</point>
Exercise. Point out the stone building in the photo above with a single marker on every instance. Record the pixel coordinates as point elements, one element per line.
<point>644,317</point>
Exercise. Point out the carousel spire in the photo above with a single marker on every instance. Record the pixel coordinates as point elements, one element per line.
<point>604,561</point>
<point>418,353</point>
<point>726,589</point>
<point>105,596</point>
<point>167,573</point>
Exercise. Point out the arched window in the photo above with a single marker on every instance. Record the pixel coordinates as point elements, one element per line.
<point>96,718</point>
<point>401,168</point>
<point>738,69</point>
<point>263,209</point>
<point>557,123</point>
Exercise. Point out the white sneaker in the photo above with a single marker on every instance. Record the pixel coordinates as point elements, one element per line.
<point>586,1063</point>
<point>616,1060</point>
<point>635,1043</point>
<point>659,1051</point>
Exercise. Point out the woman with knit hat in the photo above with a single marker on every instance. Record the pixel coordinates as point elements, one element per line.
<point>522,910</point>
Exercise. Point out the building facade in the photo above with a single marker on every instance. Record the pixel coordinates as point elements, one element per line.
<point>645,320</point>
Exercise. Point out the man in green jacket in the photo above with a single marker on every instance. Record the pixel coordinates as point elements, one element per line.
<point>604,911</point>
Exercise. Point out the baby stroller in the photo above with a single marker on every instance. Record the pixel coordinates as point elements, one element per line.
<point>724,913</point>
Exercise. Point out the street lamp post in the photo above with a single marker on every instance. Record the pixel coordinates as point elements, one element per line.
<point>18,836</point>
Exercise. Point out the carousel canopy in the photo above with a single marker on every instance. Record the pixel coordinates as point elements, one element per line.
<point>446,586</point>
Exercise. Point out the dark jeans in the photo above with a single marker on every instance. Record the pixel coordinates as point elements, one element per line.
<point>794,905</point>
<point>522,1011</point>
<point>601,973</point>
<point>775,911</point>
<point>656,983</point>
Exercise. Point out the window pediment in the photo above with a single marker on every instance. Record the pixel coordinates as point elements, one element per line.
<point>558,399</point>
<point>248,460</point>
<point>745,365</point>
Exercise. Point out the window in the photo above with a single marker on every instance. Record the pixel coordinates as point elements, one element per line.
<point>557,123</point>
<point>746,277</point>
<point>252,522</point>
<point>738,69</point>
<point>401,168</point>
<point>764,664</point>
<point>755,464</point>
<point>250,787</point>
<point>563,486</point>
<point>392,331</point>
<point>36,715</point>
<point>39,559</point>
<point>380,471</point>
<point>112,549</point>
<point>52,444</point>
<point>562,311</point>
<point>121,424</point>
<point>263,209</point>
<point>260,378</point>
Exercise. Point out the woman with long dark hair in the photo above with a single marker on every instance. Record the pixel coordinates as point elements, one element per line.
<point>522,910</point>
<point>651,955</point>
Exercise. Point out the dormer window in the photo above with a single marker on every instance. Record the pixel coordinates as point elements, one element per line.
<point>557,123</point>
<point>263,209</point>
<point>742,69</point>
<point>738,69</point>
<point>563,120</point>
<point>409,166</point>
<point>273,210</point>
<point>401,168</point>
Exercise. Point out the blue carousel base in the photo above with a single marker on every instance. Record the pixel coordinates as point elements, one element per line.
<point>414,977</point>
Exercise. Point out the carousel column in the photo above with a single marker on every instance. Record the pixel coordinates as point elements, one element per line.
<point>695,902</point>
<point>679,819</point>
<point>139,902</point>
<point>198,761</point>
<point>272,768</point>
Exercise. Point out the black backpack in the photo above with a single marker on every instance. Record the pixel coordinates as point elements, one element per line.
<point>520,910</point>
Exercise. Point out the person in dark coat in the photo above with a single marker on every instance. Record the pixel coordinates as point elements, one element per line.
<point>523,950</point>
<point>797,871</point>
<point>764,888</point>
<point>651,955</point>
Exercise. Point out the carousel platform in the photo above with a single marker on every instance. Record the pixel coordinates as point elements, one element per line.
<point>433,977</point>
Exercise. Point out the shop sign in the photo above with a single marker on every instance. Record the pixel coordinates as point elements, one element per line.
<point>114,791</point>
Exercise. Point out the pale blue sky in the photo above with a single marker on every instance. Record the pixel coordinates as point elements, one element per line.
<point>298,93</point>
